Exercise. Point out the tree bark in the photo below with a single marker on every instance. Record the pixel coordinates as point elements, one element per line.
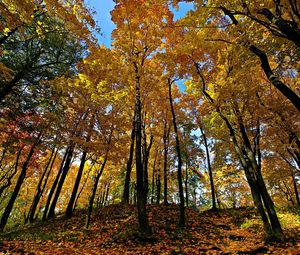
<point>254,161</point>
<point>52,190</point>
<point>296,189</point>
<point>106,194</point>
<point>97,178</point>
<point>19,183</point>
<point>153,178</point>
<point>146,153</point>
<point>41,186</point>
<point>166,150</point>
<point>179,166</point>
<point>61,181</point>
<point>126,191</point>
<point>71,203</point>
<point>278,84</point>
<point>70,206</point>
<point>211,179</point>
<point>144,228</point>
<point>92,198</point>
<point>186,183</point>
<point>102,195</point>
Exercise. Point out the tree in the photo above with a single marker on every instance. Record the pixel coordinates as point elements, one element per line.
<point>137,38</point>
<point>179,163</point>
<point>36,140</point>
<point>43,49</point>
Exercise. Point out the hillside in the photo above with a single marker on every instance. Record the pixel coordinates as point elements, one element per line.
<point>113,231</point>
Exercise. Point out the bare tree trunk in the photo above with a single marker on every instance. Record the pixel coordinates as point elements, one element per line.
<point>106,194</point>
<point>70,206</point>
<point>158,188</point>
<point>146,153</point>
<point>134,197</point>
<point>153,178</point>
<point>52,190</point>
<point>166,149</point>
<point>144,228</point>
<point>211,179</point>
<point>61,181</point>
<point>186,183</point>
<point>296,189</point>
<point>179,173</point>
<point>126,192</point>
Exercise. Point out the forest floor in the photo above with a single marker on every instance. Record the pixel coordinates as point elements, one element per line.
<point>114,231</point>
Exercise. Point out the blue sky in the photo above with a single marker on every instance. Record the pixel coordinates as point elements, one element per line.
<point>103,8</point>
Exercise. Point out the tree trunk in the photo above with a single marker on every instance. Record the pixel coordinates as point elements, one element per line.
<point>133,189</point>
<point>256,183</point>
<point>71,203</point>
<point>211,179</point>
<point>153,178</point>
<point>269,205</point>
<point>9,178</point>
<point>41,186</point>
<point>144,228</point>
<point>274,80</point>
<point>252,157</point>
<point>92,198</point>
<point>158,188</point>
<point>179,173</point>
<point>296,189</point>
<point>52,190</point>
<point>70,206</point>
<point>146,153</point>
<point>126,192</point>
<point>186,183</point>
<point>60,184</point>
<point>106,194</point>
<point>19,183</point>
<point>4,150</point>
<point>84,183</point>
<point>166,150</point>
<point>102,196</point>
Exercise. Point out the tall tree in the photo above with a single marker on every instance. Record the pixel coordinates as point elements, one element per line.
<point>137,38</point>
<point>9,206</point>
<point>179,157</point>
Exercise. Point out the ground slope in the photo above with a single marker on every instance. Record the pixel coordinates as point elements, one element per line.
<point>113,231</point>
